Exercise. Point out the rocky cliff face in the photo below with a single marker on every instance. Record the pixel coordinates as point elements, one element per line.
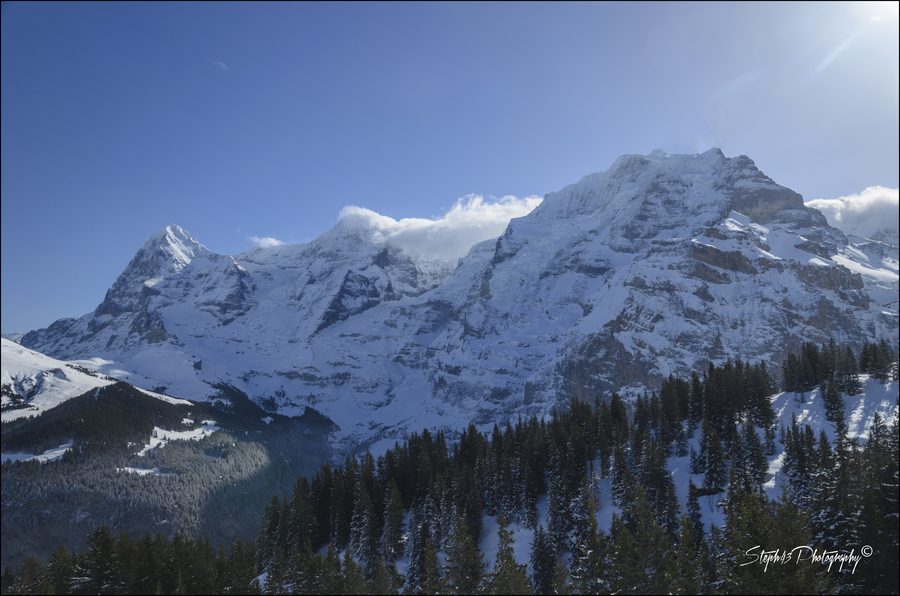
<point>659,265</point>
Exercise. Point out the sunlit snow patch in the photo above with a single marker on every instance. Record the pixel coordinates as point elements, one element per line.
<point>48,455</point>
<point>142,471</point>
<point>162,436</point>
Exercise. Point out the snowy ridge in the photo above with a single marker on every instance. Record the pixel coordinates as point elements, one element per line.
<point>33,382</point>
<point>660,265</point>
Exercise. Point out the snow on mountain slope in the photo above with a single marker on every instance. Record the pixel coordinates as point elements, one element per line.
<point>659,265</point>
<point>33,383</point>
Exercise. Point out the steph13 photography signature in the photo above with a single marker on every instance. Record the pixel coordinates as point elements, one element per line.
<point>807,554</point>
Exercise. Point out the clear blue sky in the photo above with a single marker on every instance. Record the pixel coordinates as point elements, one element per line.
<point>265,120</point>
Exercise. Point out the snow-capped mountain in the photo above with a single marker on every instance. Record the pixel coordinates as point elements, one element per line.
<point>659,265</point>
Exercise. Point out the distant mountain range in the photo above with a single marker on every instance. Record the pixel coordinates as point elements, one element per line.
<point>657,266</point>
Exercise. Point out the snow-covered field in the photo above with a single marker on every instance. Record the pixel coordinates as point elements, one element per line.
<point>48,455</point>
<point>162,436</point>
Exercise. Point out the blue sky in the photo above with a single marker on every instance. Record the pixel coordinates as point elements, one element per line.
<point>242,121</point>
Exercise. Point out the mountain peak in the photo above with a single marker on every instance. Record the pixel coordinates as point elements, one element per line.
<point>690,182</point>
<point>167,251</point>
<point>174,245</point>
<point>633,178</point>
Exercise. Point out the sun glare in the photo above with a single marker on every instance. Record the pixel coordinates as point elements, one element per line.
<point>875,11</point>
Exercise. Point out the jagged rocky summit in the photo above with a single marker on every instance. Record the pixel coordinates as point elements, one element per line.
<point>659,265</point>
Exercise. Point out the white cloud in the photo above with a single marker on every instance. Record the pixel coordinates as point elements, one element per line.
<point>469,221</point>
<point>221,65</point>
<point>864,214</point>
<point>265,242</point>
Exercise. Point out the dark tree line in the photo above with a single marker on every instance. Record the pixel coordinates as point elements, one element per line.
<point>116,564</point>
<point>815,366</point>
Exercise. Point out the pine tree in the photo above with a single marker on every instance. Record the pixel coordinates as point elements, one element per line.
<point>392,537</point>
<point>713,555</point>
<point>267,538</point>
<point>696,411</point>
<point>658,486</point>
<point>431,581</point>
<point>876,468</point>
<point>557,512</point>
<point>640,559</point>
<point>508,576</point>
<point>879,361</point>
<point>752,524</point>
<point>693,512</point>
<point>415,551</point>
<point>561,579</point>
<point>589,558</point>
<point>847,373</point>
<point>604,451</point>
<point>770,440</point>
<point>31,578</point>
<point>716,465</point>
<point>320,501</point>
<point>759,388</point>
<point>745,509</point>
<point>301,522</point>
<point>341,506</point>
<point>581,511</point>
<point>276,577</point>
<point>686,558</point>
<point>330,579</point>
<point>529,506</point>
<point>223,575</point>
<point>363,532</point>
<point>353,576</point>
<point>203,568</point>
<point>242,577</point>
<point>543,560</point>
<point>790,525</point>
<point>8,580</point>
<point>831,396</point>
<point>681,439</point>
<point>432,512</point>
<point>100,574</point>
<point>703,455</point>
<point>754,460</point>
<point>127,556</point>
<point>698,465</point>
<point>622,482</point>
<point>303,569</point>
<point>464,568</point>
<point>60,570</point>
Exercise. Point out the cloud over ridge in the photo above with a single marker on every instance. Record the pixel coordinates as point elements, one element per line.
<point>865,214</point>
<point>469,221</point>
<point>265,242</point>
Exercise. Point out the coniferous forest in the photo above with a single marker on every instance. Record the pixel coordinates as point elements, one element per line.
<point>411,520</point>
